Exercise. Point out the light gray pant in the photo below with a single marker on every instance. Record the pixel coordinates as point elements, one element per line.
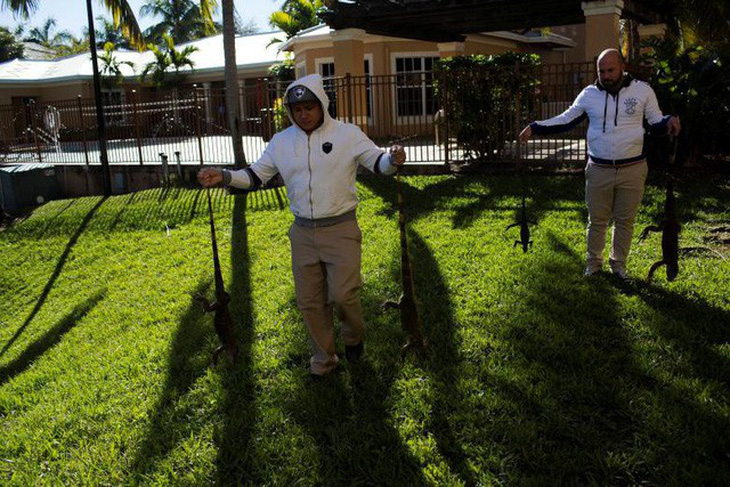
<point>612,193</point>
<point>326,267</point>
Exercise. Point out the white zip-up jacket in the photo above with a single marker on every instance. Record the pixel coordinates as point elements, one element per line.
<point>318,169</point>
<point>615,121</point>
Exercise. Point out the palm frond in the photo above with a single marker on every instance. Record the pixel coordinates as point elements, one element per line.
<point>208,8</point>
<point>123,15</point>
<point>21,7</point>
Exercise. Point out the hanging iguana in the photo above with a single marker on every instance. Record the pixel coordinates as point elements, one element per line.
<point>670,228</point>
<point>524,228</point>
<point>222,321</point>
<point>409,318</point>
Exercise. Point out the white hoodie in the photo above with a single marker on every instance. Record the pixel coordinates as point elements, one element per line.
<point>318,169</point>
<point>615,129</point>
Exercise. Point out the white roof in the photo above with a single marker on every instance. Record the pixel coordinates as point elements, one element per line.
<point>251,53</point>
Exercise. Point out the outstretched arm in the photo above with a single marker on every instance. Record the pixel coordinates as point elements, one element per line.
<point>210,177</point>
<point>571,117</point>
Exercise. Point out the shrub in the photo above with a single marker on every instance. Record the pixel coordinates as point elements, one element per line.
<point>479,98</point>
<point>693,83</point>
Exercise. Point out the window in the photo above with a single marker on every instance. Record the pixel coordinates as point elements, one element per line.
<point>415,95</point>
<point>327,70</point>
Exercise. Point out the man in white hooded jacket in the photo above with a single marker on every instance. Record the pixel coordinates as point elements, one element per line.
<point>317,158</point>
<point>616,107</point>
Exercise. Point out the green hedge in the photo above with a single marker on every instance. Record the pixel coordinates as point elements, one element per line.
<point>480,99</point>
<point>694,83</point>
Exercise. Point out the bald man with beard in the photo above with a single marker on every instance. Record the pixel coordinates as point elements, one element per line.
<point>616,106</point>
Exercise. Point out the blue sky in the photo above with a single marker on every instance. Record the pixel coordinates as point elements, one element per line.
<point>71,14</point>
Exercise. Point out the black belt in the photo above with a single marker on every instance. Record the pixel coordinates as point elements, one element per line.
<point>325,222</point>
<point>617,162</point>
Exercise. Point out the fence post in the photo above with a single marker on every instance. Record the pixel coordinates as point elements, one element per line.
<point>348,91</point>
<point>165,170</point>
<point>518,109</point>
<point>179,167</point>
<point>136,126</point>
<point>35,130</point>
<point>197,125</point>
<point>83,132</point>
<point>446,123</point>
<point>268,127</point>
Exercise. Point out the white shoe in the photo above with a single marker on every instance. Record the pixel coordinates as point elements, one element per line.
<point>591,271</point>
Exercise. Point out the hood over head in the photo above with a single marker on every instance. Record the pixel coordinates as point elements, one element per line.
<point>308,88</point>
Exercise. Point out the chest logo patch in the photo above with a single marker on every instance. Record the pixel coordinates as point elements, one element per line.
<point>630,104</point>
<point>327,147</point>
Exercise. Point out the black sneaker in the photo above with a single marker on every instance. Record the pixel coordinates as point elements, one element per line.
<point>315,378</point>
<point>354,352</point>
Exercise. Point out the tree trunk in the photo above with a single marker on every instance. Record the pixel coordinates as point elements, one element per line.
<point>231,74</point>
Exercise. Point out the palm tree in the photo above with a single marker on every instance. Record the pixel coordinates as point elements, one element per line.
<point>111,68</point>
<point>107,32</point>
<point>122,15</point>
<point>166,58</point>
<point>231,79</point>
<point>295,16</point>
<point>10,46</point>
<point>184,20</point>
<point>74,45</point>
<point>693,22</point>
<point>46,35</point>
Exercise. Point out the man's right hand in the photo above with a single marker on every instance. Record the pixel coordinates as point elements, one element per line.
<point>525,134</point>
<point>210,177</point>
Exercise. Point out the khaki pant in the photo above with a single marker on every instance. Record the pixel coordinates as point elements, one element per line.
<point>326,267</point>
<point>612,193</point>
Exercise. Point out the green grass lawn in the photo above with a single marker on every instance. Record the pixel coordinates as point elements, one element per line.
<point>534,375</point>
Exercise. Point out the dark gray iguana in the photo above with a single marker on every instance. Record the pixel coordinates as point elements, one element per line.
<point>222,321</point>
<point>670,228</point>
<point>522,221</point>
<point>524,228</point>
<point>409,318</point>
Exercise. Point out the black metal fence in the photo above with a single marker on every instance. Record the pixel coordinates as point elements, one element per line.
<point>190,125</point>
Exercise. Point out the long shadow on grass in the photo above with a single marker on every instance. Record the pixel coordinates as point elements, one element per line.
<point>128,200</point>
<point>49,340</point>
<point>470,196</point>
<point>691,325</point>
<point>575,406</point>
<point>443,360</point>
<point>188,358</point>
<point>561,411</point>
<point>235,463</point>
<point>56,272</point>
<point>352,425</point>
<point>350,438</point>
<point>51,221</point>
<point>695,435</point>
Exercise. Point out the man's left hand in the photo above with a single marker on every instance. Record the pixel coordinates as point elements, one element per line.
<point>673,126</point>
<point>397,155</point>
